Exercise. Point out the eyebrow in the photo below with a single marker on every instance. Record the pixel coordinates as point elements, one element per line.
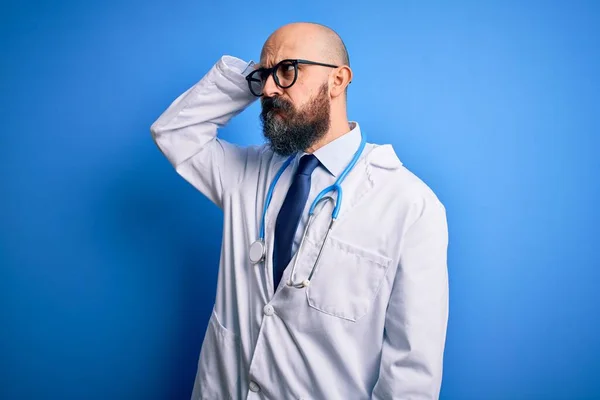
<point>264,65</point>
<point>261,65</point>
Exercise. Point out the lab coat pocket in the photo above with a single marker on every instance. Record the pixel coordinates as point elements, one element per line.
<point>218,363</point>
<point>347,280</point>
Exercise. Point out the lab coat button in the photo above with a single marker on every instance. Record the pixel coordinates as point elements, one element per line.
<point>268,310</point>
<point>254,386</point>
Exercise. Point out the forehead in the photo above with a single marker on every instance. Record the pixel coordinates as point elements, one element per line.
<point>271,55</point>
<point>281,48</point>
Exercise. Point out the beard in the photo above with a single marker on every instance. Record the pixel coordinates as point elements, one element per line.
<point>289,130</point>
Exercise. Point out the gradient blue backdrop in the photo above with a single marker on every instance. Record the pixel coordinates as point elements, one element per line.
<point>109,259</point>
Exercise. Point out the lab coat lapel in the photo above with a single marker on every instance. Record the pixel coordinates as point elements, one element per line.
<point>368,173</point>
<point>358,183</point>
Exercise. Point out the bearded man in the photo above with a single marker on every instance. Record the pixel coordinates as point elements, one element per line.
<point>332,281</point>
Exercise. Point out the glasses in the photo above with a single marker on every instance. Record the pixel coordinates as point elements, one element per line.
<point>285,74</point>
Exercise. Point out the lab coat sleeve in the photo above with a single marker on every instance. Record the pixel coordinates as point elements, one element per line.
<point>186,132</point>
<point>417,314</point>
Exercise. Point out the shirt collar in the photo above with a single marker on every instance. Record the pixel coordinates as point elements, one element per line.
<point>336,155</point>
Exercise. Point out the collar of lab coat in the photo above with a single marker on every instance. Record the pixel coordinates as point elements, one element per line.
<point>336,155</point>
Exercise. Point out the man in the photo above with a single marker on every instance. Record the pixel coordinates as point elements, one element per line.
<point>359,313</point>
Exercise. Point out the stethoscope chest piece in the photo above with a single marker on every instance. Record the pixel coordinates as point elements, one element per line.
<point>257,251</point>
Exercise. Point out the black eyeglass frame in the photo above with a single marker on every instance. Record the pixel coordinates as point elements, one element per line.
<point>272,71</point>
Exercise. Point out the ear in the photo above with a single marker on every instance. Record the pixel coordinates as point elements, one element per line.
<point>339,80</point>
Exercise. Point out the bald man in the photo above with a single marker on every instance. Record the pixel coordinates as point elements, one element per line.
<point>351,309</point>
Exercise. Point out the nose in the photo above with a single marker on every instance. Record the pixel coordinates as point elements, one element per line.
<point>271,89</point>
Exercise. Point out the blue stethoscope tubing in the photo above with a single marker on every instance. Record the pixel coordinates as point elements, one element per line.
<point>258,250</point>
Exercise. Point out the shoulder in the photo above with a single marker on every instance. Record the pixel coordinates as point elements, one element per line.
<point>397,179</point>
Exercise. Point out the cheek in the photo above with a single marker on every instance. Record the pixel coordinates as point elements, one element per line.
<point>298,98</point>
<point>306,88</point>
<point>300,94</point>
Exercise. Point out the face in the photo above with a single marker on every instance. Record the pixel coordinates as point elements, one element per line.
<point>294,118</point>
<point>290,128</point>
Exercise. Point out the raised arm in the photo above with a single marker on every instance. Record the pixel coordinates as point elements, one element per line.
<point>186,132</point>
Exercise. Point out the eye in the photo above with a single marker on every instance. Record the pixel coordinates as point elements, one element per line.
<point>286,69</point>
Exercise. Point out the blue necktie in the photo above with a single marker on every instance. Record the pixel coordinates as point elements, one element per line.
<point>289,215</point>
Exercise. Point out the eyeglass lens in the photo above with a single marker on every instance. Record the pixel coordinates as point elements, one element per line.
<point>285,75</point>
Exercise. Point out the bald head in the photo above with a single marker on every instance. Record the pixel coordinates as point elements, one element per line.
<point>316,41</point>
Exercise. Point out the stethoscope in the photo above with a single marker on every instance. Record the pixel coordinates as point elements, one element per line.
<point>258,249</point>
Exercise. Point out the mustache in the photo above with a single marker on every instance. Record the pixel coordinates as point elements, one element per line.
<point>275,104</point>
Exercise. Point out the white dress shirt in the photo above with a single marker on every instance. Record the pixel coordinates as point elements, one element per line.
<point>372,322</point>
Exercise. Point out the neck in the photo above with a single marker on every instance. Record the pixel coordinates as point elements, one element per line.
<point>339,127</point>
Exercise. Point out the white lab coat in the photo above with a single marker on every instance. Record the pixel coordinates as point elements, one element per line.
<point>372,323</point>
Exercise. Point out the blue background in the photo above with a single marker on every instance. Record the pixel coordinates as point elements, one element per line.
<point>109,259</point>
